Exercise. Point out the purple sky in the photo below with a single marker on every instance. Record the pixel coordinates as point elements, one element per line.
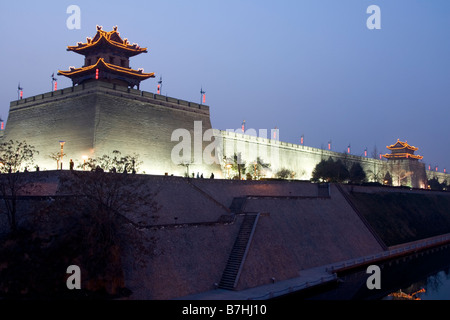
<point>306,67</point>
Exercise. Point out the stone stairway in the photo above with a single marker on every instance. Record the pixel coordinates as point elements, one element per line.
<point>237,206</point>
<point>238,254</point>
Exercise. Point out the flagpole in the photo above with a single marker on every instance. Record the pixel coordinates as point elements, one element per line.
<point>53,82</point>
<point>202,95</point>
<point>19,92</point>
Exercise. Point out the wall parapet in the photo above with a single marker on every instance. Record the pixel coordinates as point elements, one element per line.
<point>113,89</point>
<point>292,146</point>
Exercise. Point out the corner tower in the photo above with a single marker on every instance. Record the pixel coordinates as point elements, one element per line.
<point>404,165</point>
<point>102,112</point>
<point>107,58</point>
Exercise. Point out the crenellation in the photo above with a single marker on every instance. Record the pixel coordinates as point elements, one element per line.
<point>183,103</point>
<point>160,97</point>
<point>172,100</point>
<point>117,90</point>
<point>148,94</point>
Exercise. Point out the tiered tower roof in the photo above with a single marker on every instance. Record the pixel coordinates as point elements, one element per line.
<point>110,40</point>
<point>402,150</point>
<point>107,59</point>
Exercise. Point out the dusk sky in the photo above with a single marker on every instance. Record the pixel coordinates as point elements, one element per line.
<point>306,67</point>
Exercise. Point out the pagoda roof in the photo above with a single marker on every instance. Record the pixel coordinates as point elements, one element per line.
<point>107,38</point>
<point>402,156</point>
<point>401,145</point>
<point>102,65</point>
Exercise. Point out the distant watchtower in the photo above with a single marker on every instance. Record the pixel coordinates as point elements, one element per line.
<point>402,150</point>
<point>107,58</point>
<point>404,165</point>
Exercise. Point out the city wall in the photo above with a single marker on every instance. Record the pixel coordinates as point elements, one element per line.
<point>302,160</point>
<point>97,118</point>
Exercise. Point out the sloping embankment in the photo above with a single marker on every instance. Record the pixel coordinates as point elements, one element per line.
<point>401,216</point>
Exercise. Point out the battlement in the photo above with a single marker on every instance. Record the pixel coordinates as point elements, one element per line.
<point>297,147</point>
<point>113,90</point>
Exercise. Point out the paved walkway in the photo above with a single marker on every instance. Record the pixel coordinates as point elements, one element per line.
<point>315,276</point>
<point>307,278</point>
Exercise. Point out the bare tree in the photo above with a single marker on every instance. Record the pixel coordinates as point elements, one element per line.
<point>375,152</point>
<point>236,165</point>
<point>114,162</point>
<point>186,164</point>
<point>56,156</point>
<point>107,203</point>
<point>257,167</point>
<point>14,156</point>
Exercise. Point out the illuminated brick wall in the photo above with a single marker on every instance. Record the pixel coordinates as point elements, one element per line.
<point>303,159</point>
<point>98,118</point>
